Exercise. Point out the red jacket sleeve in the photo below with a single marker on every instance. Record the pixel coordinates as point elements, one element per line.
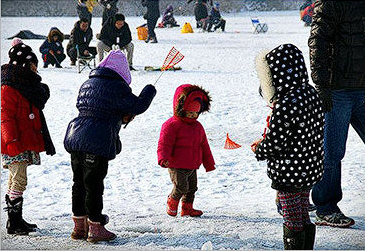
<point>166,141</point>
<point>9,133</point>
<point>208,160</point>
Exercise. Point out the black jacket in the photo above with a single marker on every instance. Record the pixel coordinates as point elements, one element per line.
<point>102,102</point>
<point>337,44</point>
<point>110,35</point>
<point>293,146</point>
<point>153,9</point>
<point>200,11</point>
<point>80,38</point>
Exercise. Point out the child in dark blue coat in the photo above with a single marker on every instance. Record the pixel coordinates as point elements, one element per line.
<point>52,49</point>
<point>105,102</point>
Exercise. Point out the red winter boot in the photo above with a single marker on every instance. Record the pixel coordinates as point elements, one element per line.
<point>187,209</point>
<point>172,205</point>
<point>81,227</point>
<point>97,232</point>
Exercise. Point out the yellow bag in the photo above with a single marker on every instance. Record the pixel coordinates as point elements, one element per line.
<point>187,28</point>
<point>142,32</point>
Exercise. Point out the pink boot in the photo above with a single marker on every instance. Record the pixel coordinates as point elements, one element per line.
<point>97,232</point>
<point>81,227</point>
<point>172,205</point>
<point>187,209</point>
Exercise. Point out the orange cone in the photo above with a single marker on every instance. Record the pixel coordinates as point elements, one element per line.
<point>230,144</point>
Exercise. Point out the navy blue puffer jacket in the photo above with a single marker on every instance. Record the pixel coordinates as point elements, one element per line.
<point>104,99</point>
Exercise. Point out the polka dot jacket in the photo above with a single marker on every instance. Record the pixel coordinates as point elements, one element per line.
<point>293,145</point>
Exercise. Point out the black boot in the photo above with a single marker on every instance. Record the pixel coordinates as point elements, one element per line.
<point>310,234</point>
<point>148,39</point>
<point>15,211</point>
<point>154,40</point>
<point>293,240</point>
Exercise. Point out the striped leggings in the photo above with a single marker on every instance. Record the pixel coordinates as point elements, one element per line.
<point>295,209</point>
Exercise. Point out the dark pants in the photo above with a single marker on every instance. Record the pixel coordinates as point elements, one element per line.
<point>185,184</point>
<point>72,53</point>
<point>89,172</point>
<point>151,24</point>
<point>53,60</point>
<point>348,108</point>
<point>108,13</point>
<point>83,12</point>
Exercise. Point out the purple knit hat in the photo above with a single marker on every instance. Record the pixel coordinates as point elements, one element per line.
<point>117,62</point>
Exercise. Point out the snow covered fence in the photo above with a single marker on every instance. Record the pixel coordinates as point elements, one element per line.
<point>134,7</point>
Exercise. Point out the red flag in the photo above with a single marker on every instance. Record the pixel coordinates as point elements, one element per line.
<point>231,144</point>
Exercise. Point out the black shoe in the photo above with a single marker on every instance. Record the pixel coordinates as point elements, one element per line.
<point>73,63</point>
<point>334,220</point>
<point>154,40</point>
<point>293,240</point>
<point>45,65</point>
<point>58,66</point>
<point>131,68</point>
<point>148,39</point>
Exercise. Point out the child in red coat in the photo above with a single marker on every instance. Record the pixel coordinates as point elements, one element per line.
<point>183,147</point>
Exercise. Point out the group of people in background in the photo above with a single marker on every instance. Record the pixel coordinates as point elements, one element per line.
<point>303,146</point>
<point>206,21</point>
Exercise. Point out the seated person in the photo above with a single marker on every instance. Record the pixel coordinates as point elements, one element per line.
<point>81,36</point>
<point>52,49</point>
<point>168,19</point>
<point>216,19</point>
<point>201,14</point>
<point>116,31</point>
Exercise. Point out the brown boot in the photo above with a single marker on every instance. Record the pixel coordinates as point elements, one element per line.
<point>81,227</point>
<point>187,209</point>
<point>172,205</point>
<point>97,232</point>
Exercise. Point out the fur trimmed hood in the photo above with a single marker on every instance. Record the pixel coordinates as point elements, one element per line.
<point>280,71</point>
<point>188,93</point>
<point>55,31</point>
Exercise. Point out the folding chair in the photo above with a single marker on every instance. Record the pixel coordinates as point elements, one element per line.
<point>84,61</point>
<point>258,27</point>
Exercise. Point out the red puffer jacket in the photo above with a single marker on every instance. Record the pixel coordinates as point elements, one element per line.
<point>182,140</point>
<point>20,131</point>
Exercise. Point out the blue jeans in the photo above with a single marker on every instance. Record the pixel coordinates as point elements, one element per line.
<point>348,108</point>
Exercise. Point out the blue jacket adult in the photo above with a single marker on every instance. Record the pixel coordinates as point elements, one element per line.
<point>103,101</point>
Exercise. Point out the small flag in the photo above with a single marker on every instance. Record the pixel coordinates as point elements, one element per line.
<point>231,144</point>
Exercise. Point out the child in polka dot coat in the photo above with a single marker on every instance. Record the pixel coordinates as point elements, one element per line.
<point>293,143</point>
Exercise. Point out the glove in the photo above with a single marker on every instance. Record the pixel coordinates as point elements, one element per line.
<point>325,95</point>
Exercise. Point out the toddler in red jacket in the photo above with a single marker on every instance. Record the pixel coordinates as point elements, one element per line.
<point>183,147</point>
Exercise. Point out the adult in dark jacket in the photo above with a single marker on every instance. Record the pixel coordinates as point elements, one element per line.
<point>24,132</point>
<point>116,32</point>
<point>81,36</point>
<point>337,56</point>
<point>105,102</point>
<point>52,49</point>
<point>201,15</point>
<point>85,8</point>
<point>152,15</point>
<point>293,143</point>
<point>110,9</point>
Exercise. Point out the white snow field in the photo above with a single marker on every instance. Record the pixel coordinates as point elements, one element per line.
<point>237,200</point>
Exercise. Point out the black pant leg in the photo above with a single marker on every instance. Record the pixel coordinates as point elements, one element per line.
<point>78,188</point>
<point>72,53</point>
<point>151,24</point>
<point>95,170</point>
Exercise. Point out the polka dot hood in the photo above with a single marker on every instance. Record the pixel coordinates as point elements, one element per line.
<point>293,144</point>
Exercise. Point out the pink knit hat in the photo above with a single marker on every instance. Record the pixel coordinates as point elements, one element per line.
<point>117,62</point>
<point>16,41</point>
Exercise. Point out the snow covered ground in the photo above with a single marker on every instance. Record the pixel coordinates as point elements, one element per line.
<point>238,203</point>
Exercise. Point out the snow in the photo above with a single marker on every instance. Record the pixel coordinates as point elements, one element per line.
<point>238,203</point>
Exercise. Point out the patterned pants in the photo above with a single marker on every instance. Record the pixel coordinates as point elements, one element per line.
<point>295,209</point>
